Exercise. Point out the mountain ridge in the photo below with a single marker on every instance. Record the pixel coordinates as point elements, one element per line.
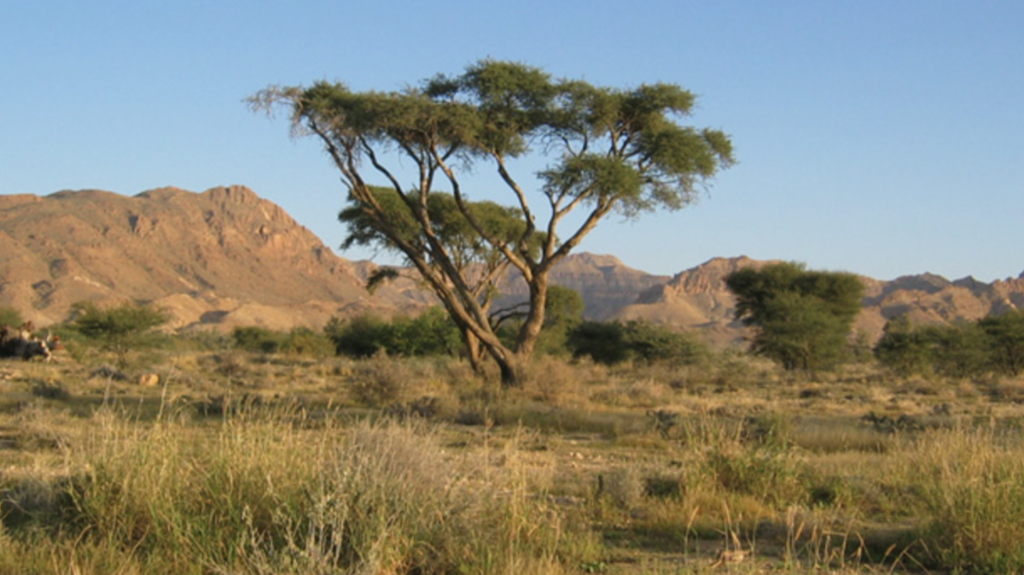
<point>226,257</point>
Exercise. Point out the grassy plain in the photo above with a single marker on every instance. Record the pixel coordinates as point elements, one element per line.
<point>237,463</point>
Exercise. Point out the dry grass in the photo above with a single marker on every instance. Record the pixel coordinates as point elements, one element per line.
<point>418,466</point>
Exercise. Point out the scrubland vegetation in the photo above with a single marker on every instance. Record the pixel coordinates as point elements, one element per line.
<point>267,452</point>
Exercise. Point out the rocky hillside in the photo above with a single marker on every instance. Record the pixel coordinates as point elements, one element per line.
<point>698,299</point>
<point>695,299</point>
<point>225,257</point>
<point>220,258</point>
<point>606,284</point>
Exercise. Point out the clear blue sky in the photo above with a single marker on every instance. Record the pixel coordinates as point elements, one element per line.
<point>881,137</point>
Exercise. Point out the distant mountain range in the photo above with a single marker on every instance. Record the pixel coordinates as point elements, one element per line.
<point>226,257</point>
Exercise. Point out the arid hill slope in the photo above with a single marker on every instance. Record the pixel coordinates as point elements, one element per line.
<point>223,257</point>
<point>606,284</point>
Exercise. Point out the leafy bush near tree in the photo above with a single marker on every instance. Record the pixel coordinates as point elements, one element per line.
<point>615,342</point>
<point>431,333</point>
<point>298,341</point>
<point>992,345</point>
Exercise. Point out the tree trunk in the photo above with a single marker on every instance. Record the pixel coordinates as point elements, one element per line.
<point>530,332</point>
<point>473,351</point>
<point>509,375</point>
<point>508,364</point>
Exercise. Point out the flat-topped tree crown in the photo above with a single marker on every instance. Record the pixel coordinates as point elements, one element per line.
<point>610,149</point>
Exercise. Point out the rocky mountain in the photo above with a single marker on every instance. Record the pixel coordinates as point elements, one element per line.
<point>606,284</point>
<point>695,299</point>
<point>220,258</point>
<point>698,299</point>
<point>928,298</point>
<point>225,257</point>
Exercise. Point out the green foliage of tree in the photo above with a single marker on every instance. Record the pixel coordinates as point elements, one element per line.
<point>610,151</point>
<point>903,348</point>
<point>615,342</point>
<point>959,350</point>
<point>802,318</point>
<point>119,328</point>
<point>430,333</point>
<point>992,345</point>
<point>10,317</point>
<point>1006,341</point>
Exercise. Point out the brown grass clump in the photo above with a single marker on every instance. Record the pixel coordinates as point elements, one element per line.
<point>403,466</point>
<point>969,483</point>
<point>261,495</point>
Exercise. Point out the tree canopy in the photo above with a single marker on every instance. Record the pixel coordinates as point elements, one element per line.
<point>119,328</point>
<point>991,345</point>
<point>802,318</point>
<point>610,151</point>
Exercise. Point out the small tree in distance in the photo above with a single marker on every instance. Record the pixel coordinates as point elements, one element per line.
<point>802,318</point>
<point>1006,337</point>
<point>118,328</point>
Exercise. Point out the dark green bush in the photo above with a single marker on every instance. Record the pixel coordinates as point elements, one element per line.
<point>615,342</point>
<point>959,350</point>
<point>430,333</point>
<point>257,339</point>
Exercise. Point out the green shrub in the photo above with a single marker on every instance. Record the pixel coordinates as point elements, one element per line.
<point>120,328</point>
<point>304,341</point>
<point>430,333</point>
<point>257,339</point>
<point>602,342</point>
<point>616,342</point>
<point>957,350</point>
<point>1006,341</point>
<point>10,316</point>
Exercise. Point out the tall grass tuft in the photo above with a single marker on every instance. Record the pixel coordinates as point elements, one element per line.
<point>262,493</point>
<point>971,486</point>
<point>752,458</point>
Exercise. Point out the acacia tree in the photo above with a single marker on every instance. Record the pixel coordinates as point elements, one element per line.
<point>1006,339</point>
<point>611,150</point>
<point>475,260</point>
<point>120,327</point>
<point>802,318</point>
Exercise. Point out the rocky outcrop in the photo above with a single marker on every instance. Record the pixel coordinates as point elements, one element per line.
<point>605,283</point>
<point>206,257</point>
